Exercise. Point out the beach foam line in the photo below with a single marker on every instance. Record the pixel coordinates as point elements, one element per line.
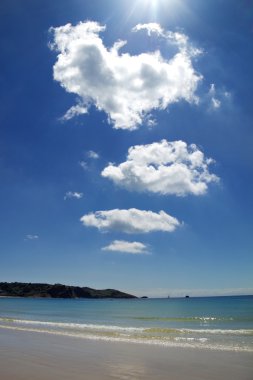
<point>222,331</point>
<point>113,328</point>
<point>200,331</point>
<point>178,344</point>
<point>191,319</point>
<point>72,325</point>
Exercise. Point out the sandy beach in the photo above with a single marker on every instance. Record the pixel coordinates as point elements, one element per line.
<point>38,356</point>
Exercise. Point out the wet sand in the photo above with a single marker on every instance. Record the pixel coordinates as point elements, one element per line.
<point>38,356</point>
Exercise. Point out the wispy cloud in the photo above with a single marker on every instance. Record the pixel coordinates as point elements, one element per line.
<point>126,87</point>
<point>130,221</point>
<point>217,98</point>
<point>31,237</point>
<point>73,194</point>
<point>78,109</point>
<point>163,167</point>
<point>134,247</point>
<point>150,28</point>
<point>215,102</point>
<point>176,38</point>
<point>92,154</point>
<point>83,165</point>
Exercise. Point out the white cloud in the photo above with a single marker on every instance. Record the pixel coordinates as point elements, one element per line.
<point>127,87</point>
<point>130,221</point>
<point>78,109</point>
<point>150,28</point>
<point>175,38</point>
<point>163,167</point>
<point>83,165</point>
<point>151,123</point>
<point>215,102</point>
<point>134,247</point>
<point>92,154</point>
<point>31,237</point>
<point>73,194</point>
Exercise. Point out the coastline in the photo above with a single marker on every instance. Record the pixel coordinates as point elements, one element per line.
<point>40,356</point>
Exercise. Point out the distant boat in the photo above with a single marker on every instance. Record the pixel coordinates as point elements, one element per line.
<point>187,296</point>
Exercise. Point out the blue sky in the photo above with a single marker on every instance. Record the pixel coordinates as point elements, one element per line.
<point>127,165</point>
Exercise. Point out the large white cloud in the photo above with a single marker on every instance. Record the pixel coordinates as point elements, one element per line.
<point>130,221</point>
<point>163,167</point>
<point>133,247</point>
<point>127,87</point>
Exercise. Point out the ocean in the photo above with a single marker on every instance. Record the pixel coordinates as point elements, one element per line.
<point>220,323</point>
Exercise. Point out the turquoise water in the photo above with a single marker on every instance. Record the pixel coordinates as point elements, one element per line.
<point>224,323</point>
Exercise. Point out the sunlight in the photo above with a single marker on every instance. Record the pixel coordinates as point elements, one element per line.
<point>152,10</point>
<point>152,3</point>
<point>156,7</point>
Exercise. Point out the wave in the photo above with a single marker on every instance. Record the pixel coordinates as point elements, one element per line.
<point>88,327</point>
<point>71,325</point>
<point>201,331</point>
<point>126,329</point>
<point>190,319</point>
<point>179,342</point>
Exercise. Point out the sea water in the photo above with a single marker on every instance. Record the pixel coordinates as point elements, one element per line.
<point>223,323</point>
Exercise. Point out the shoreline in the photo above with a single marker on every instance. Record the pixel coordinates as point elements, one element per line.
<point>113,340</point>
<point>40,356</point>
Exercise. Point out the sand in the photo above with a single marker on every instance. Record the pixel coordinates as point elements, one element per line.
<point>39,356</point>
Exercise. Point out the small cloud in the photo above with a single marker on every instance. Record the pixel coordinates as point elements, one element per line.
<point>73,194</point>
<point>83,165</point>
<point>227,94</point>
<point>164,168</point>
<point>134,248</point>
<point>150,28</point>
<point>151,123</point>
<point>31,237</point>
<point>131,221</point>
<point>215,102</point>
<point>212,89</point>
<point>216,98</point>
<point>92,154</point>
<point>75,111</point>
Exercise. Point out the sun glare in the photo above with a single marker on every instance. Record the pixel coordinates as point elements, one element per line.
<point>153,3</point>
<point>155,7</point>
<point>153,10</point>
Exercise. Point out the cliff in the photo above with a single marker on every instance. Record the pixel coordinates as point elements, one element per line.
<point>20,289</point>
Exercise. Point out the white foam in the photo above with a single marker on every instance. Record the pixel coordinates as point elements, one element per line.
<point>207,319</point>
<point>186,344</point>
<point>78,326</point>
<point>202,340</point>
<point>220,331</point>
<point>113,328</point>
